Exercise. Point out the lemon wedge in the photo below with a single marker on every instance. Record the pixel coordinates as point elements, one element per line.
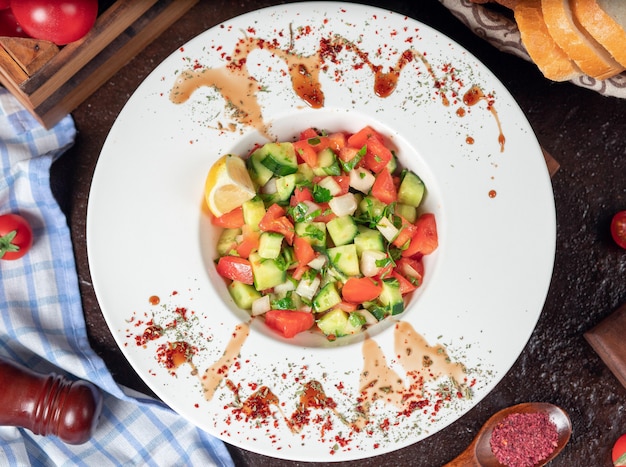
<point>228,185</point>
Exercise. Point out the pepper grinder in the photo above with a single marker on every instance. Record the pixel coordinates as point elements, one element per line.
<point>48,404</point>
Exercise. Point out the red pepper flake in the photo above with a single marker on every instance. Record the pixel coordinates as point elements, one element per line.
<point>524,439</point>
<point>151,333</point>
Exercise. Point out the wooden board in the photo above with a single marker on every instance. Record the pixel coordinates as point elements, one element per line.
<point>52,86</point>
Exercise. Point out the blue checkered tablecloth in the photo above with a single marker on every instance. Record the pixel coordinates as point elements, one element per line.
<point>42,324</point>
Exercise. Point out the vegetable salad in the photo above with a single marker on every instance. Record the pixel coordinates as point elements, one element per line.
<point>333,239</point>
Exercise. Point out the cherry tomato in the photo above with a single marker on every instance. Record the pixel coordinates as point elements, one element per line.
<point>58,21</point>
<point>16,236</point>
<point>9,26</point>
<point>618,228</point>
<point>618,454</point>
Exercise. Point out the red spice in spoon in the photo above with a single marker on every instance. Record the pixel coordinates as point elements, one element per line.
<point>524,439</point>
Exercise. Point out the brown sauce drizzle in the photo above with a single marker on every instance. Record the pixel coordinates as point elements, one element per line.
<point>473,97</point>
<point>214,375</point>
<point>239,89</point>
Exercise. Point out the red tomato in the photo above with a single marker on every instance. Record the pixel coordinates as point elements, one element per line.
<point>360,289</point>
<point>250,240</point>
<point>384,189</point>
<point>425,240</point>
<point>275,220</point>
<point>58,21</point>
<point>618,228</point>
<point>4,4</point>
<point>305,152</point>
<point>303,250</point>
<point>231,220</point>
<point>16,236</point>
<point>619,451</point>
<point>288,322</point>
<point>235,268</point>
<point>9,26</point>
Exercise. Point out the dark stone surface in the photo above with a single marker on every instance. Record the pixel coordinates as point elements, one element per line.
<point>584,131</point>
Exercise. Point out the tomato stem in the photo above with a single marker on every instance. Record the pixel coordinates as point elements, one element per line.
<point>6,244</point>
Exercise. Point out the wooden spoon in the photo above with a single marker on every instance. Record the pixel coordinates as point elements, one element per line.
<point>479,453</point>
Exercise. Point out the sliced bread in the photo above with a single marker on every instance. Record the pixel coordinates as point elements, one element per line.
<point>593,59</point>
<point>605,20</point>
<point>553,62</point>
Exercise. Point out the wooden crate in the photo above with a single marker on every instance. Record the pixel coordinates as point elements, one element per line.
<point>51,81</point>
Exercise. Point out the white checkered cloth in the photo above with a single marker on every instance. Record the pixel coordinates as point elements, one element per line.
<point>42,324</point>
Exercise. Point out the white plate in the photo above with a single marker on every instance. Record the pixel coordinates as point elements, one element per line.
<point>485,285</point>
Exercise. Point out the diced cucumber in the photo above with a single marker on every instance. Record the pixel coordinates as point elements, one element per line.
<point>314,232</point>
<point>391,297</point>
<point>327,298</point>
<point>270,244</point>
<point>327,163</point>
<point>342,230</point>
<point>406,211</point>
<point>305,173</point>
<point>267,273</point>
<point>411,190</point>
<point>392,165</point>
<point>279,158</point>
<point>345,259</point>
<point>368,239</point>
<point>253,212</point>
<point>372,208</point>
<point>243,294</point>
<point>227,241</point>
<point>285,186</point>
<point>259,174</point>
<point>337,323</point>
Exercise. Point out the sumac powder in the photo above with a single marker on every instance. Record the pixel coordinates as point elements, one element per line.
<point>524,439</point>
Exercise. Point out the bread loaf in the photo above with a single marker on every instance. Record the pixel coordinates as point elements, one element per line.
<point>586,52</point>
<point>570,38</point>
<point>553,62</point>
<point>605,20</point>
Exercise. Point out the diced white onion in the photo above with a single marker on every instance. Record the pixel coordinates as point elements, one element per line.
<point>311,207</point>
<point>270,187</point>
<point>308,288</point>
<point>318,262</point>
<point>343,205</point>
<point>261,305</point>
<point>386,227</point>
<point>330,184</point>
<point>369,318</point>
<point>368,262</point>
<point>361,179</point>
<point>285,287</point>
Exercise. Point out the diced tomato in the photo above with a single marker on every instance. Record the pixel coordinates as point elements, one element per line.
<point>425,240</point>
<point>305,152</point>
<point>327,214</point>
<point>288,322</point>
<point>301,193</point>
<point>411,268</point>
<point>360,289</point>
<point>407,230</point>
<point>249,241</point>
<point>337,141</point>
<point>308,133</point>
<point>299,271</point>
<point>235,268</point>
<point>359,139</point>
<point>383,189</point>
<point>275,220</point>
<point>229,220</point>
<point>303,250</point>
<point>405,285</point>
<point>348,307</point>
<point>377,155</point>
<point>347,153</point>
